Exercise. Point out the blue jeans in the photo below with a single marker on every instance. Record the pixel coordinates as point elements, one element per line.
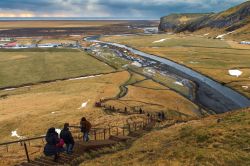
<point>86,136</point>
<point>69,148</point>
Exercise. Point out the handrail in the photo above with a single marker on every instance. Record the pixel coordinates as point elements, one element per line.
<point>22,140</point>
<point>103,133</point>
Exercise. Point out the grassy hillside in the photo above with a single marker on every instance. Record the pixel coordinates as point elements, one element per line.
<point>35,65</point>
<point>229,20</point>
<point>215,140</point>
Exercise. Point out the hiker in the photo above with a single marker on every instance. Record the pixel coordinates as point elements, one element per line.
<point>52,140</point>
<point>85,128</point>
<point>68,139</point>
<point>140,111</point>
<point>163,116</point>
<point>125,110</point>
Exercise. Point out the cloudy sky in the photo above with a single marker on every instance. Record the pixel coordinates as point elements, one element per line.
<point>109,8</point>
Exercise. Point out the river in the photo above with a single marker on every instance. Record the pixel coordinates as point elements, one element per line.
<point>209,93</point>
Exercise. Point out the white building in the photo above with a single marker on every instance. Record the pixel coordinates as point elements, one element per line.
<point>245,42</point>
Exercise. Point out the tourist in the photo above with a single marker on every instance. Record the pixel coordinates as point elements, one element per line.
<point>140,111</point>
<point>52,140</point>
<point>68,139</point>
<point>85,128</point>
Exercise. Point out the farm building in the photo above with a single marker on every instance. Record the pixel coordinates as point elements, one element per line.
<point>7,39</point>
<point>11,44</point>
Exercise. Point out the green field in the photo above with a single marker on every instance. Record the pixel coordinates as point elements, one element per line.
<point>18,67</point>
<point>209,56</point>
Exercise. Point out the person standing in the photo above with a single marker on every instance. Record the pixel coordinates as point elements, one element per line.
<point>52,140</point>
<point>68,138</point>
<point>85,128</point>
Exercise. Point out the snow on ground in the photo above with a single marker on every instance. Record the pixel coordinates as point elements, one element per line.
<point>53,112</point>
<point>206,34</point>
<point>245,87</point>
<point>236,73</point>
<point>14,134</point>
<point>58,131</point>
<point>178,83</point>
<point>159,41</point>
<point>84,104</point>
<point>137,64</point>
<point>192,62</point>
<point>10,89</point>
<point>222,35</point>
<point>81,78</point>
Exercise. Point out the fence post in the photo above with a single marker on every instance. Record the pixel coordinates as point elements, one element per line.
<point>95,134</point>
<point>26,152</point>
<point>123,130</point>
<point>117,132</point>
<point>129,129</point>
<point>104,131</point>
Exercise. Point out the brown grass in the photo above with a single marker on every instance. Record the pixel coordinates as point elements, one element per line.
<point>199,142</point>
<point>33,106</point>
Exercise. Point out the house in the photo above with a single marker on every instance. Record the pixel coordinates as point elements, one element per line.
<point>11,44</point>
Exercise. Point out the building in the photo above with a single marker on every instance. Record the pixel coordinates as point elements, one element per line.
<point>245,42</point>
<point>7,39</point>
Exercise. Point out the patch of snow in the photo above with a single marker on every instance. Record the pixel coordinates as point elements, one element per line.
<point>125,51</point>
<point>10,89</point>
<point>81,78</point>
<point>14,134</point>
<point>53,112</point>
<point>58,131</point>
<point>192,62</point>
<point>84,104</point>
<point>222,35</point>
<point>236,73</point>
<point>178,83</point>
<point>206,34</point>
<point>245,87</point>
<point>135,63</point>
<point>159,41</point>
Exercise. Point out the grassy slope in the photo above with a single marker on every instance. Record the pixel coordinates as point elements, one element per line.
<point>200,142</point>
<point>36,65</point>
<point>33,106</point>
<point>208,56</point>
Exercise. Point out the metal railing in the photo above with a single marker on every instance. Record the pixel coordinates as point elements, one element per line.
<point>95,134</point>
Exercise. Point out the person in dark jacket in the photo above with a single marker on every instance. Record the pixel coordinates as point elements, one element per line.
<point>68,139</point>
<point>85,128</point>
<point>52,140</point>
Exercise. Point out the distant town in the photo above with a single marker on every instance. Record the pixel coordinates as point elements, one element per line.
<point>13,43</point>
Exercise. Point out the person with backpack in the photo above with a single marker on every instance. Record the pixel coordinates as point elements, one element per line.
<point>85,128</point>
<point>52,140</point>
<point>67,138</point>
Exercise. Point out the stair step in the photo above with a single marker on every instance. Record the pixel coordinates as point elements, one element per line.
<point>91,145</point>
<point>47,162</point>
<point>120,138</point>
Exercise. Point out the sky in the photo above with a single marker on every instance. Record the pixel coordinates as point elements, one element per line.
<point>152,9</point>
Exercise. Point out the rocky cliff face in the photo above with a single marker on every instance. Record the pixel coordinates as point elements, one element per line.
<point>229,20</point>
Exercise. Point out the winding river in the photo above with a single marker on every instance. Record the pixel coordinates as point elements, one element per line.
<point>209,93</point>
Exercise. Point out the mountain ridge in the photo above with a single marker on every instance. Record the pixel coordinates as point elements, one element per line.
<point>228,20</point>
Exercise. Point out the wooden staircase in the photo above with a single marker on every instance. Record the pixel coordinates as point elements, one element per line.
<point>103,137</point>
<point>80,148</point>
